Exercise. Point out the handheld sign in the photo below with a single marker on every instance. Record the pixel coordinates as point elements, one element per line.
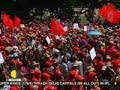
<point>75,26</point>
<point>1,58</point>
<point>92,53</point>
<point>85,28</point>
<point>0,31</point>
<point>66,28</point>
<point>48,40</point>
<point>22,26</point>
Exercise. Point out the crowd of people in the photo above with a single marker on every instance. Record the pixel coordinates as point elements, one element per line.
<point>65,58</point>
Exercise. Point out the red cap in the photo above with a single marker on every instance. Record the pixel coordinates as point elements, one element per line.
<point>24,70</point>
<point>116,63</point>
<point>19,63</point>
<point>32,72</point>
<point>83,54</point>
<point>89,46</point>
<point>73,73</point>
<point>49,87</point>
<point>13,62</point>
<point>75,43</point>
<point>37,72</point>
<point>48,64</point>
<point>102,50</point>
<point>34,79</point>
<point>117,53</point>
<point>58,73</point>
<point>76,49</point>
<point>45,76</point>
<point>100,63</point>
<point>34,87</point>
<point>37,43</point>
<point>79,78</point>
<point>92,74</point>
<point>2,48</point>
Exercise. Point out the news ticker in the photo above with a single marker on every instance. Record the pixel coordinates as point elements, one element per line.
<point>57,83</point>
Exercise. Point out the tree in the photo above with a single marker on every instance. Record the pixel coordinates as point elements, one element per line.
<point>117,3</point>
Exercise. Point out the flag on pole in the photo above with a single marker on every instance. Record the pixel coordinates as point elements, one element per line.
<point>110,14</point>
<point>57,28</point>
<point>17,21</point>
<point>102,11</point>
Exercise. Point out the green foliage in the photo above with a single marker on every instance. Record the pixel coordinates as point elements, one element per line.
<point>70,3</point>
<point>104,0</point>
<point>117,3</point>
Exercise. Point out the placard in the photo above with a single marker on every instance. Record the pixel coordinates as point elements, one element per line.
<point>85,28</point>
<point>75,26</point>
<point>65,28</point>
<point>22,26</point>
<point>48,40</point>
<point>0,31</point>
<point>92,53</point>
<point>1,58</point>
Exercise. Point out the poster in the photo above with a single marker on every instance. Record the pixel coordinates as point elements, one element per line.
<point>92,53</point>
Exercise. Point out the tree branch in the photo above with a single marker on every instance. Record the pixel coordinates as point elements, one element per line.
<point>84,11</point>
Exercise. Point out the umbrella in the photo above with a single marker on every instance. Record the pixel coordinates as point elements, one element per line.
<point>94,33</point>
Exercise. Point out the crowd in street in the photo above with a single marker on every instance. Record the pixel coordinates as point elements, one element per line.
<point>65,58</point>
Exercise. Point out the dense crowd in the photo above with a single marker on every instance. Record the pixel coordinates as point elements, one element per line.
<point>65,58</point>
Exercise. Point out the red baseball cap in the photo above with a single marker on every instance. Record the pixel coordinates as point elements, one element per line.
<point>79,78</point>
<point>49,87</point>
<point>73,73</point>
<point>46,76</point>
<point>37,72</point>
<point>58,73</point>
<point>48,64</point>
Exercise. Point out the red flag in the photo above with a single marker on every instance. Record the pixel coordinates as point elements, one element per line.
<point>5,18</point>
<point>118,13</point>
<point>112,15</point>
<point>57,28</point>
<point>102,11</point>
<point>110,5</point>
<point>17,21</point>
<point>7,21</point>
<point>10,24</point>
